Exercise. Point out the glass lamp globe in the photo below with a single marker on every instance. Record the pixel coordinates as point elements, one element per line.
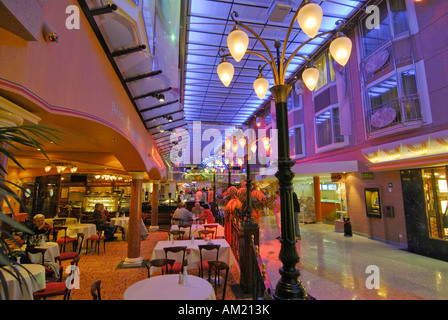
<point>310,77</point>
<point>261,86</point>
<point>340,49</point>
<point>309,19</point>
<point>225,72</point>
<point>237,42</point>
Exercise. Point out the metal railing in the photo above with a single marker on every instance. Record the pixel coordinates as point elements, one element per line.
<point>408,111</point>
<point>262,289</point>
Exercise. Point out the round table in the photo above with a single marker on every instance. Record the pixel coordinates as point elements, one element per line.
<point>89,229</point>
<point>29,286</point>
<point>120,221</point>
<point>166,287</point>
<point>51,253</point>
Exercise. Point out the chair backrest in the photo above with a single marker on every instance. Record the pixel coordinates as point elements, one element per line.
<point>176,249</point>
<point>186,226</point>
<point>59,222</point>
<point>178,233</point>
<point>40,251</point>
<point>56,230</point>
<point>160,263</point>
<point>206,233</point>
<point>176,221</point>
<point>213,227</point>
<point>96,290</point>
<point>209,247</point>
<point>218,266</point>
<point>80,240</point>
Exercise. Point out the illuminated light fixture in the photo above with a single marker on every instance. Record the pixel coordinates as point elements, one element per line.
<point>47,168</point>
<point>309,19</point>
<point>240,161</point>
<point>228,143</point>
<point>253,148</point>
<point>225,72</point>
<point>169,118</point>
<point>340,49</point>
<point>242,141</point>
<point>237,42</point>
<point>258,121</point>
<point>261,86</point>
<point>160,97</point>
<point>235,146</point>
<point>74,169</point>
<point>310,77</point>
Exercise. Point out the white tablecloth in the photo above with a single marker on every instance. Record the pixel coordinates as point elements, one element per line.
<point>124,221</point>
<point>195,228</point>
<point>29,286</point>
<point>89,229</point>
<point>167,287</point>
<point>67,221</point>
<point>225,252</point>
<point>50,255</point>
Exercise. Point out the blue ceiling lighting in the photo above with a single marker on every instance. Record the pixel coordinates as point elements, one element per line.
<point>209,22</point>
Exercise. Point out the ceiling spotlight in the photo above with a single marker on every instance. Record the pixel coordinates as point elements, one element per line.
<point>160,97</point>
<point>169,118</point>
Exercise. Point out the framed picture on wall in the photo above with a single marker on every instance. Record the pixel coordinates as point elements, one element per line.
<point>373,202</point>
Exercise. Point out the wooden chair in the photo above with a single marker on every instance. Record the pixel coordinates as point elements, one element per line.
<point>217,267</point>
<point>205,233</point>
<point>74,254</point>
<point>203,264</point>
<point>122,230</point>
<point>160,263</point>
<point>54,289</point>
<point>176,221</point>
<point>96,241</point>
<point>213,227</point>
<point>62,241</point>
<point>186,226</point>
<point>178,266</point>
<point>59,222</point>
<point>41,251</point>
<point>177,233</point>
<point>96,290</point>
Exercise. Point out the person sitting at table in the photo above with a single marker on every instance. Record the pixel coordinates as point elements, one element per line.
<point>207,214</point>
<point>197,210</point>
<point>100,220</point>
<point>40,227</point>
<point>183,214</point>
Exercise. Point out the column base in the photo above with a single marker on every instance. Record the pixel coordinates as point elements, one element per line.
<point>132,262</point>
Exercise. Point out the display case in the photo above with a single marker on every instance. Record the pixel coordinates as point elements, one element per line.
<point>110,202</point>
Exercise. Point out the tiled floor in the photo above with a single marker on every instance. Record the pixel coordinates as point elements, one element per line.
<point>334,267</point>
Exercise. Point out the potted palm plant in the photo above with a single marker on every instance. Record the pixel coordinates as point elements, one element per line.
<point>11,140</point>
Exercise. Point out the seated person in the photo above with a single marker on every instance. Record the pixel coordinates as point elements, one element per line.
<point>197,210</point>
<point>207,214</point>
<point>40,227</point>
<point>183,214</point>
<point>100,220</point>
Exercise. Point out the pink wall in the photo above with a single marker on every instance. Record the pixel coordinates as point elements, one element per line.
<point>73,76</point>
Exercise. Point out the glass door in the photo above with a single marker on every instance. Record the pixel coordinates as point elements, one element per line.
<point>436,198</point>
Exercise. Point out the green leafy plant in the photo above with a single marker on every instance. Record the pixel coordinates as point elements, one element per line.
<point>12,139</point>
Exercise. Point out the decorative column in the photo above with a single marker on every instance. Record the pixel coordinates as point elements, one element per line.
<point>155,205</point>
<point>134,226</point>
<point>317,202</point>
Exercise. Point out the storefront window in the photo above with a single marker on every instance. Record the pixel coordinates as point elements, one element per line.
<point>436,198</point>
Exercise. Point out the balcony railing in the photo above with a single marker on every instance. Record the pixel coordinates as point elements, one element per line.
<point>408,112</point>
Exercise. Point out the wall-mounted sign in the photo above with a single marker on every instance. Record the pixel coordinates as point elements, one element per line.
<point>367,176</point>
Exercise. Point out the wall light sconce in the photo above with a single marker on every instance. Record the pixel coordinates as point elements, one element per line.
<point>50,35</point>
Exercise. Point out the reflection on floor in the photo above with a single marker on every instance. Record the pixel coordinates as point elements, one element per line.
<point>333,267</point>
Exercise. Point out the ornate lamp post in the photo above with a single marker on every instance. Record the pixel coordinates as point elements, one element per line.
<point>309,16</point>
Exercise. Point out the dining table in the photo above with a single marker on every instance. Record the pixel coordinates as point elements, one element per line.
<point>50,255</point>
<point>193,257</point>
<point>124,222</point>
<point>89,229</point>
<point>33,280</point>
<point>167,287</point>
<point>196,227</point>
